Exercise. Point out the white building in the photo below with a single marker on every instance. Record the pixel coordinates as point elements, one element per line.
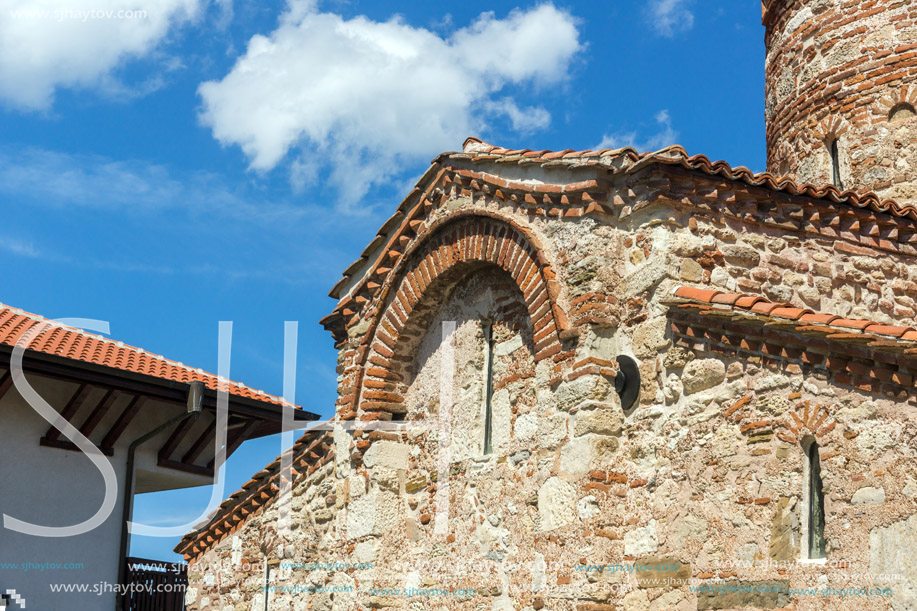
<point>113,395</point>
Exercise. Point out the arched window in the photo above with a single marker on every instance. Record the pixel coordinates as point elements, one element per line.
<point>901,112</point>
<point>815,502</point>
<point>835,164</point>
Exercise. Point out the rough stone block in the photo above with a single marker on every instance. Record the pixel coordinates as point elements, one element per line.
<point>389,454</point>
<point>894,550</point>
<point>743,256</point>
<point>556,504</point>
<point>868,495</point>
<point>606,420</point>
<point>649,338</point>
<point>641,541</point>
<point>701,374</point>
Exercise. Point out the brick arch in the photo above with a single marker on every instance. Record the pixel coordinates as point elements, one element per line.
<point>831,128</point>
<point>807,419</point>
<point>462,241</point>
<point>906,96</point>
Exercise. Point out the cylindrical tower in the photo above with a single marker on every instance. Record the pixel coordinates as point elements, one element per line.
<point>841,93</point>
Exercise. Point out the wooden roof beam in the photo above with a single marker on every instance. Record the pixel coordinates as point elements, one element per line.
<point>99,412</point>
<point>240,436</point>
<point>131,410</point>
<point>6,382</point>
<point>198,447</point>
<point>178,435</point>
<point>73,405</point>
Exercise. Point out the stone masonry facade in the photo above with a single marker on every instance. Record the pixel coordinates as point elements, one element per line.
<point>843,70</point>
<point>763,316</point>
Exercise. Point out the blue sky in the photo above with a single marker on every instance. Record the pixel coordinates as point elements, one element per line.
<point>227,160</point>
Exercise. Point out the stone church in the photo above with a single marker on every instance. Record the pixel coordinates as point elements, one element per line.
<point>608,379</point>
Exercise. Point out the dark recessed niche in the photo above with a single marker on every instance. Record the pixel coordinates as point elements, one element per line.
<point>627,382</point>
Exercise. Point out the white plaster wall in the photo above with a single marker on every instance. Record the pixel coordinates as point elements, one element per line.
<point>53,487</point>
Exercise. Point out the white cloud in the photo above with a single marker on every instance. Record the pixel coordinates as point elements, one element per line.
<point>524,120</point>
<point>669,17</point>
<point>49,44</point>
<point>362,98</point>
<point>18,246</point>
<point>665,136</point>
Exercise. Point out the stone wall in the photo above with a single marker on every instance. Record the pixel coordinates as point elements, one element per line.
<point>706,472</point>
<point>843,71</point>
<point>589,279</point>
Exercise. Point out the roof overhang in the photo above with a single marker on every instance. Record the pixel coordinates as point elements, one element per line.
<point>867,355</point>
<point>190,444</point>
<point>481,168</point>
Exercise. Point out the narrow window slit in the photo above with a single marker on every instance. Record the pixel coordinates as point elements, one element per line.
<point>816,503</point>
<point>488,328</point>
<point>836,165</point>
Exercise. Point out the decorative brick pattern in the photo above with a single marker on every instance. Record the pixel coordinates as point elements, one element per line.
<point>708,186</point>
<point>869,356</point>
<point>835,71</point>
<point>444,254</point>
<point>808,418</point>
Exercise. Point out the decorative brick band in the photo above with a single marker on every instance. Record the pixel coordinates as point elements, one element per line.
<point>446,251</point>
<point>869,356</point>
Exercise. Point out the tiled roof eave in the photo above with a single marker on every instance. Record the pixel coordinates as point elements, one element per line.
<point>613,161</point>
<point>710,308</point>
<point>632,162</point>
<point>312,451</point>
<point>78,348</point>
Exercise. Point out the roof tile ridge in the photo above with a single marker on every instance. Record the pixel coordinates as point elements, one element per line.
<point>676,153</point>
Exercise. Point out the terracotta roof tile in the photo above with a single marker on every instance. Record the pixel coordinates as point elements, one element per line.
<point>676,155</point>
<point>834,327</point>
<point>725,298</point>
<point>689,292</point>
<point>818,317</point>
<point>766,307</point>
<point>881,329</point>
<point>847,323</point>
<point>747,301</point>
<point>50,337</point>
<point>791,313</point>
